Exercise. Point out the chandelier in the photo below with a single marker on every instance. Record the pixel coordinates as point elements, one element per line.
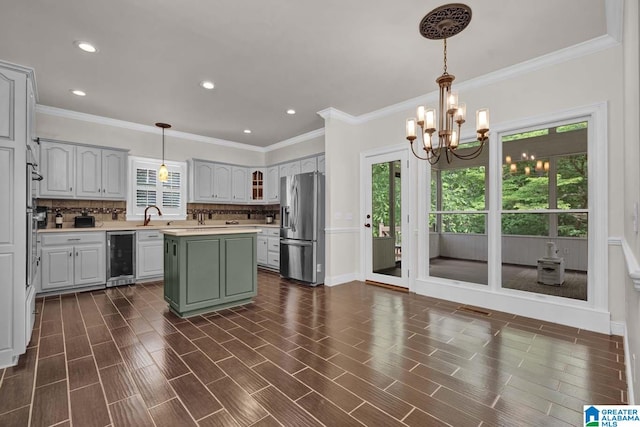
<point>540,166</point>
<point>163,172</point>
<point>441,23</point>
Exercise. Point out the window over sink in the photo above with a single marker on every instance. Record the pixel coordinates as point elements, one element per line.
<point>147,190</point>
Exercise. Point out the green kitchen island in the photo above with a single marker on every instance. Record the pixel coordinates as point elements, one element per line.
<point>209,269</point>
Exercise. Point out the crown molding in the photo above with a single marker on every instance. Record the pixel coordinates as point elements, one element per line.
<point>295,140</point>
<point>334,113</point>
<point>75,115</point>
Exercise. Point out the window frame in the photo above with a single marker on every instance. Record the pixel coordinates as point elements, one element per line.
<point>136,213</point>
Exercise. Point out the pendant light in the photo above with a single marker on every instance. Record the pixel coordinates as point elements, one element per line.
<point>163,173</point>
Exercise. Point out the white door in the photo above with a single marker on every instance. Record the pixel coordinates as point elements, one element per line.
<point>204,190</point>
<point>222,183</point>
<point>114,174</point>
<point>88,172</point>
<point>90,264</point>
<point>385,222</point>
<point>239,184</point>
<point>273,184</point>
<point>57,267</point>
<point>58,169</point>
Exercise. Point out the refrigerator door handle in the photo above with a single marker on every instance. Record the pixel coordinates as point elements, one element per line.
<point>296,242</point>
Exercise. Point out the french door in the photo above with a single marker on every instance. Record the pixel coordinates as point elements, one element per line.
<point>385,223</point>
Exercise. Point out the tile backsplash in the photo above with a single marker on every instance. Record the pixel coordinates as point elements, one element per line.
<point>108,211</point>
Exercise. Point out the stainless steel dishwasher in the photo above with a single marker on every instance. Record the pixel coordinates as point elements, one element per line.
<point>121,258</point>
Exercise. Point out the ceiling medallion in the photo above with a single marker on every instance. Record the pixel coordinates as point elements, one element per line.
<point>445,21</point>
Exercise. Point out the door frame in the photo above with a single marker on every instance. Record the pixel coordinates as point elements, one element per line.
<point>367,158</point>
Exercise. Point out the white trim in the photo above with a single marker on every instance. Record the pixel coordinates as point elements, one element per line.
<point>342,230</point>
<point>334,113</point>
<point>535,306</point>
<point>340,279</point>
<point>295,140</point>
<point>633,268</point>
<point>622,327</point>
<point>614,10</point>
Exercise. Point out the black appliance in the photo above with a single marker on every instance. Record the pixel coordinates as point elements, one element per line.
<point>121,258</point>
<point>41,216</point>
<point>84,221</point>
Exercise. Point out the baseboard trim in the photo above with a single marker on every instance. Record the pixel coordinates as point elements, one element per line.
<point>627,351</point>
<point>387,286</point>
<point>340,279</point>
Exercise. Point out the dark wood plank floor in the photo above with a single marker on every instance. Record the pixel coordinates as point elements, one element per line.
<point>300,356</point>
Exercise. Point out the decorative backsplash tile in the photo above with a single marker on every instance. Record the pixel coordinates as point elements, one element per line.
<point>108,211</point>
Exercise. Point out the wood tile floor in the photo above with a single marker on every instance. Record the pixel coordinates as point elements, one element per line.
<point>299,356</point>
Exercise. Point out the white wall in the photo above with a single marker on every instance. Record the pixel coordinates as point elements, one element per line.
<point>577,82</point>
<point>311,147</point>
<point>141,143</point>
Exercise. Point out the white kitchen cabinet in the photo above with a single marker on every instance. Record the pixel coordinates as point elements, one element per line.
<point>71,260</point>
<point>83,172</point>
<point>149,254</point>
<point>16,299</point>
<point>289,169</point>
<point>114,174</point>
<point>202,178</point>
<point>273,184</point>
<point>239,187</point>
<point>262,250</point>
<point>321,168</point>
<point>308,165</point>
<point>57,166</point>
<point>222,182</point>
<point>257,185</point>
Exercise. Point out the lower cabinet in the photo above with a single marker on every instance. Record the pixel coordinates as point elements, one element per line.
<point>149,255</point>
<point>209,272</point>
<point>71,260</point>
<point>269,248</point>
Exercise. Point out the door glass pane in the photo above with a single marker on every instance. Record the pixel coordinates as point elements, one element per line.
<point>545,211</point>
<point>386,218</point>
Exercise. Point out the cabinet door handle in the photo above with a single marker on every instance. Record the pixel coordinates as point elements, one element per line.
<point>72,240</point>
<point>99,190</point>
<point>70,188</point>
<point>104,191</point>
<point>175,247</point>
<point>70,254</point>
<point>76,253</point>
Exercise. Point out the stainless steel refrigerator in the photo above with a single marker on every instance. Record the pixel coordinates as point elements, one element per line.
<point>302,227</point>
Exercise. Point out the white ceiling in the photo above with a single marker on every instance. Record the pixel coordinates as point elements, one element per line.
<point>267,56</point>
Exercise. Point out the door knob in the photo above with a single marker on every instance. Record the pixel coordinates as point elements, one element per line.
<point>368,225</point>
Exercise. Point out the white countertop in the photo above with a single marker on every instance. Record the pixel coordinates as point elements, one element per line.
<point>181,232</point>
<point>134,226</point>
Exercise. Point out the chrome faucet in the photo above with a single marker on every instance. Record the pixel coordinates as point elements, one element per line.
<point>147,219</point>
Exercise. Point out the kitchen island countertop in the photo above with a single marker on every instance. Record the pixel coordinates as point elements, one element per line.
<point>134,227</point>
<point>181,232</point>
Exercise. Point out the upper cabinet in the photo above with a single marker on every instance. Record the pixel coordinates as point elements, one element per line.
<point>321,164</point>
<point>273,184</point>
<point>83,172</point>
<point>257,191</point>
<point>289,169</point>
<point>239,187</point>
<point>309,164</point>
<point>211,182</point>
<point>57,166</point>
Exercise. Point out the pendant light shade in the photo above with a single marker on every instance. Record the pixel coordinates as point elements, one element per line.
<point>163,173</point>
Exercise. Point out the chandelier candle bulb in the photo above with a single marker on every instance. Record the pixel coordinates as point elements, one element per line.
<point>411,129</point>
<point>461,113</point>
<point>527,170</point>
<point>512,168</point>
<point>452,102</point>
<point>430,119</point>
<point>508,159</point>
<point>539,165</point>
<point>454,139</point>
<point>546,166</point>
<point>482,120</point>
<point>421,115</point>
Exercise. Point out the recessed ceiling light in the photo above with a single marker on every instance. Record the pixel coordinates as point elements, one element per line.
<point>291,111</point>
<point>86,46</point>
<point>78,92</point>
<point>247,131</point>
<point>207,84</point>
